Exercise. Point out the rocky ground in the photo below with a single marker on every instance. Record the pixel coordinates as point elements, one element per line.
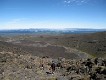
<point>28,67</point>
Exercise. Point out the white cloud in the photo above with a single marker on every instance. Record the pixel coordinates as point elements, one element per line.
<point>76,2</point>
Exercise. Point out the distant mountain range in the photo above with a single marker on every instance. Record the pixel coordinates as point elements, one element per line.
<point>51,31</point>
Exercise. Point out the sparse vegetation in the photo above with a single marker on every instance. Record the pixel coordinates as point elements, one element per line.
<point>30,57</point>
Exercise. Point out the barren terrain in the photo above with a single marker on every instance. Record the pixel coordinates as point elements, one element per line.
<point>29,57</point>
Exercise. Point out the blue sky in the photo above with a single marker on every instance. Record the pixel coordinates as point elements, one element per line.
<point>57,14</point>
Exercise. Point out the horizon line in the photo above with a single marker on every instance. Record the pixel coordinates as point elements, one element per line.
<point>53,28</point>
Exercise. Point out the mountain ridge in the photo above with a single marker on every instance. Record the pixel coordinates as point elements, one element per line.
<point>47,30</point>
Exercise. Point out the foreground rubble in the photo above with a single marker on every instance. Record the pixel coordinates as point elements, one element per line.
<point>28,67</point>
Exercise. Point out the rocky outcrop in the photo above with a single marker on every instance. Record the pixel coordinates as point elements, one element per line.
<point>28,67</point>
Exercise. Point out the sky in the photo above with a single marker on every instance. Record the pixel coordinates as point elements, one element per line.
<point>53,14</point>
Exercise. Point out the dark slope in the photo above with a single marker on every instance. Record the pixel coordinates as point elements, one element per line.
<point>93,44</point>
<point>37,49</point>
